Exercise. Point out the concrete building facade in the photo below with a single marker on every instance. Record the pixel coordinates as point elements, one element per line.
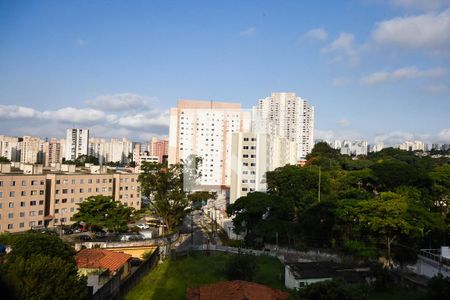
<point>252,156</point>
<point>22,202</point>
<point>204,129</point>
<point>159,148</point>
<point>77,143</point>
<point>287,116</point>
<point>28,201</point>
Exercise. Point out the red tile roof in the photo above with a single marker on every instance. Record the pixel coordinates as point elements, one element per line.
<point>101,259</point>
<point>235,290</point>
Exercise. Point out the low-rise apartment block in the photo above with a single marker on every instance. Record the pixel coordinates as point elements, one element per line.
<point>22,202</point>
<point>50,200</point>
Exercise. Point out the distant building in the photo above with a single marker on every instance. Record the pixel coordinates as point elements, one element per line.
<point>159,148</point>
<point>53,152</point>
<point>252,156</point>
<point>9,148</point>
<point>77,143</point>
<point>204,129</point>
<point>413,146</point>
<point>286,115</point>
<point>31,150</point>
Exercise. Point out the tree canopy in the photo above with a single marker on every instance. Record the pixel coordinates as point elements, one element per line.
<point>389,203</point>
<point>40,266</point>
<point>103,211</point>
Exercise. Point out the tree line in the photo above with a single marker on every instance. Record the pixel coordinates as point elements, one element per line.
<point>390,203</point>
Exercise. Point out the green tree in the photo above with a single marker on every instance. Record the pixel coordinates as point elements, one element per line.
<point>301,185</point>
<point>31,244</point>
<point>4,159</point>
<point>164,186</point>
<point>260,216</point>
<point>103,211</point>
<point>45,277</point>
<point>40,267</point>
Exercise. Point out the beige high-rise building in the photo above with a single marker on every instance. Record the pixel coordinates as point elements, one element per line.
<point>252,156</point>
<point>204,129</point>
<point>53,152</point>
<point>288,116</point>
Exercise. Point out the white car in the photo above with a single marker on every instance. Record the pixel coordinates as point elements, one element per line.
<point>143,226</point>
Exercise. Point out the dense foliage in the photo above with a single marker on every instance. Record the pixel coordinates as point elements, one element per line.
<point>388,204</point>
<point>164,187</point>
<point>40,266</point>
<point>241,267</point>
<point>102,211</point>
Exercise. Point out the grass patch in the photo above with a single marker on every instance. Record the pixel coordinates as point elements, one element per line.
<point>170,279</point>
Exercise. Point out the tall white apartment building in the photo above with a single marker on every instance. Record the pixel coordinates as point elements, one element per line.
<point>288,116</point>
<point>254,154</point>
<point>119,150</point>
<point>31,150</point>
<point>412,146</point>
<point>77,143</point>
<point>115,150</point>
<point>9,147</point>
<point>204,129</point>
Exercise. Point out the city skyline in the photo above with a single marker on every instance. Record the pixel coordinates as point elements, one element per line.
<point>119,70</point>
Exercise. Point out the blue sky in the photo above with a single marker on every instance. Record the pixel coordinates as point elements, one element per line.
<point>373,69</point>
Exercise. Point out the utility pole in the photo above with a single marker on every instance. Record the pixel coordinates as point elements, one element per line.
<point>320,179</point>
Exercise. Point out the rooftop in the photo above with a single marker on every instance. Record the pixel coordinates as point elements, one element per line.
<point>235,290</point>
<point>101,259</point>
<point>315,270</point>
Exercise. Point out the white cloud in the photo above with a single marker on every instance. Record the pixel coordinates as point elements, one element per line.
<point>421,4</point>
<point>341,81</point>
<point>344,48</point>
<point>444,136</point>
<point>76,115</point>
<point>248,32</point>
<point>142,125</point>
<point>394,138</point>
<point>17,112</point>
<point>430,32</point>
<point>118,102</point>
<point>402,74</point>
<point>319,34</point>
<point>145,120</point>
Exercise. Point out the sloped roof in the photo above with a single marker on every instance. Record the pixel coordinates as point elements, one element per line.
<point>235,290</point>
<point>101,259</point>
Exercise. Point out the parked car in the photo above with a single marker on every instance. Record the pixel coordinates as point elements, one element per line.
<point>143,226</point>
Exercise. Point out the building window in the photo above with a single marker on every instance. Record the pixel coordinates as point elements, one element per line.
<point>13,183</point>
<point>41,202</point>
<point>22,204</point>
<point>41,212</point>
<point>24,183</point>
<point>32,203</point>
<point>11,204</point>
<point>1,194</point>
<point>74,181</point>
<point>10,215</point>
<point>12,194</point>
<point>22,214</point>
